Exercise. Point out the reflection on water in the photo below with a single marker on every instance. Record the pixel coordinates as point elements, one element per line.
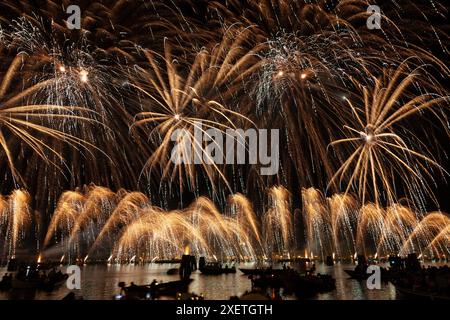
<point>100,282</point>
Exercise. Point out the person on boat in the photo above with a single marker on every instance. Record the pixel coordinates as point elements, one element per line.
<point>153,289</point>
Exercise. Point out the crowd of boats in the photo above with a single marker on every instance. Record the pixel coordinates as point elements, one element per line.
<point>265,281</point>
<point>297,279</point>
<point>411,279</point>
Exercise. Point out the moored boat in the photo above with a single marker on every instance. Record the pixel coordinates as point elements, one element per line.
<point>173,271</point>
<point>260,271</point>
<point>216,269</point>
<point>153,290</point>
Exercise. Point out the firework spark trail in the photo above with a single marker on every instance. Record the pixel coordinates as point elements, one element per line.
<point>165,233</point>
<point>95,212</point>
<point>133,227</point>
<point>132,219</point>
<point>382,149</point>
<point>343,212</point>
<point>306,55</point>
<point>181,102</point>
<point>440,243</point>
<point>311,68</point>
<point>243,209</point>
<point>277,221</point>
<point>15,218</point>
<point>340,224</point>
<point>425,232</point>
<point>315,215</point>
<point>201,224</point>
<point>67,211</point>
<point>28,122</point>
<point>128,210</point>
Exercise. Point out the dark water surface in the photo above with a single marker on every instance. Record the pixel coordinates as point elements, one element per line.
<point>100,282</point>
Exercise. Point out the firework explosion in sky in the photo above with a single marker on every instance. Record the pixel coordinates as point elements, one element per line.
<point>88,115</point>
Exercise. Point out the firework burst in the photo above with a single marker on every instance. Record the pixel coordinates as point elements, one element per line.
<point>383,149</point>
<point>189,100</point>
<point>27,121</point>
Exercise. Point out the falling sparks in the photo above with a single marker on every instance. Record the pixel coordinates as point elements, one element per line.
<point>363,121</point>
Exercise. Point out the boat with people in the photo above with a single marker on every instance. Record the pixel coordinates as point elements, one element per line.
<point>216,268</point>
<point>294,283</point>
<point>424,283</point>
<point>152,291</point>
<point>360,271</point>
<point>309,285</point>
<point>36,276</point>
<point>261,271</point>
<point>167,261</point>
<point>397,268</point>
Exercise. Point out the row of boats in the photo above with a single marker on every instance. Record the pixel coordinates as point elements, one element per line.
<point>262,281</point>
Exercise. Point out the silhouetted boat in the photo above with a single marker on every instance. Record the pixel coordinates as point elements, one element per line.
<point>173,271</point>
<point>216,268</point>
<point>6,283</point>
<point>261,271</point>
<point>361,275</point>
<point>307,286</point>
<point>329,261</point>
<point>171,261</point>
<point>34,276</point>
<point>45,284</point>
<point>288,260</point>
<point>154,290</point>
<point>292,282</point>
<point>357,275</point>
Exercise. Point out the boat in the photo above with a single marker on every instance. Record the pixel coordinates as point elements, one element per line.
<point>168,261</point>
<point>295,259</point>
<point>52,283</point>
<point>361,275</point>
<point>32,276</point>
<point>153,290</point>
<point>329,261</point>
<point>6,283</point>
<point>215,268</point>
<point>48,283</point>
<point>308,286</point>
<point>268,281</point>
<point>357,275</point>
<point>292,282</point>
<point>173,271</point>
<point>261,271</point>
